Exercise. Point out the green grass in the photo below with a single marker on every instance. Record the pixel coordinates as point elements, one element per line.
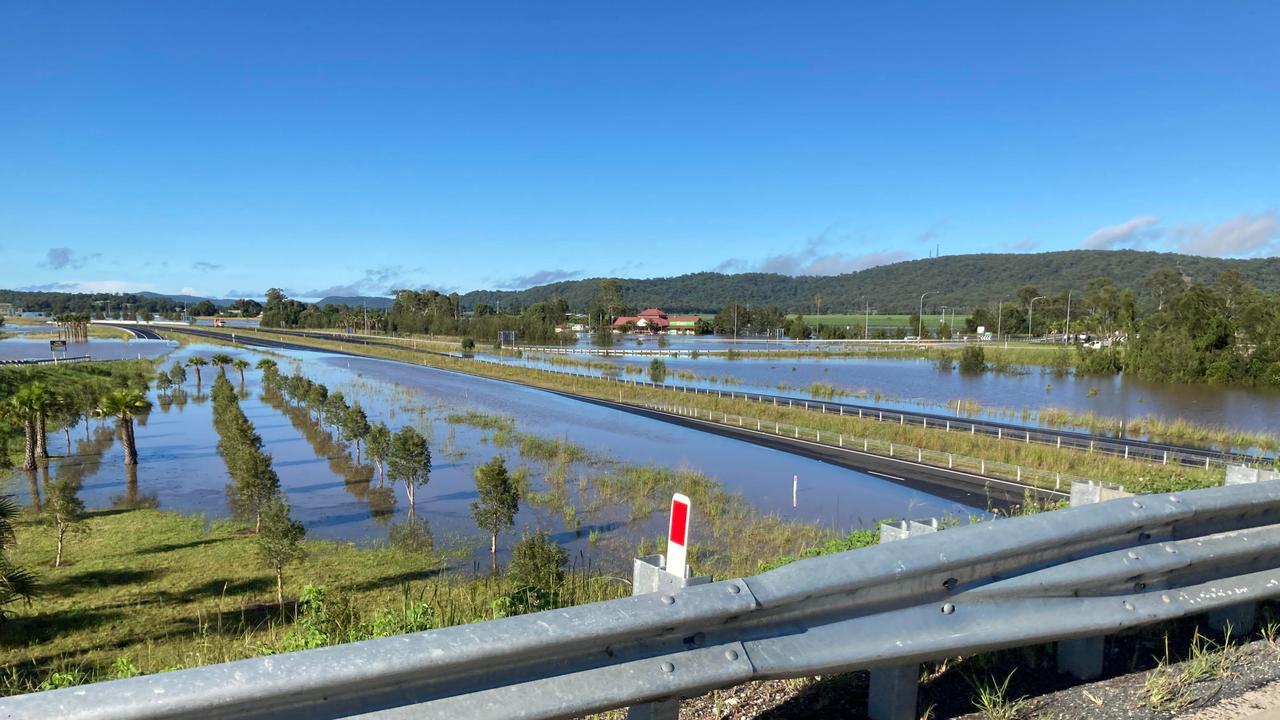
<point>168,590</point>
<point>879,321</point>
<point>1136,475</point>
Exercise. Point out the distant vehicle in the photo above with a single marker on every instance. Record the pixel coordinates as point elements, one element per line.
<point>911,337</point>
<point>219,322</point>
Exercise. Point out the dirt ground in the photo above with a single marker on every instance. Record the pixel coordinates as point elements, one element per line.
<point>1145,679</point>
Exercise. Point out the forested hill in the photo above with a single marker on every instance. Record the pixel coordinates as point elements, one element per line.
<point>959,280</point>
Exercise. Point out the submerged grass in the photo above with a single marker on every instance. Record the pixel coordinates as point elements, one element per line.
<point>1136,475</point>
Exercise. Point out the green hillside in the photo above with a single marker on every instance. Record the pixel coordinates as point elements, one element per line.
<point>958,281</point>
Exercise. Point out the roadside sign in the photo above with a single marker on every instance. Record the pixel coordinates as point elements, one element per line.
<point>678,535</point>
<point>57,345</point>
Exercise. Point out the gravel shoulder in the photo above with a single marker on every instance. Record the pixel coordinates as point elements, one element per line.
<point>1174,672</point>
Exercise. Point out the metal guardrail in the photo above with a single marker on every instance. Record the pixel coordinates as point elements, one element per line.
<point>1069,574</point>
<point>78,358</point>
<point>1127,449</point>
<point>1057,484</point>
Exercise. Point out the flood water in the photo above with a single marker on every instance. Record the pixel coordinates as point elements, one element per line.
<point>911,383</point>
<point>337,499</point>
<point>16,348</point>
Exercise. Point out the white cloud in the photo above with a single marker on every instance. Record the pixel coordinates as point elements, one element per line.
<point>540,277</point>
<point>815,258</point>
<point>92,286</point>
<point>1134,232</point>
<point>59,258</point>
<point>1244,234</point>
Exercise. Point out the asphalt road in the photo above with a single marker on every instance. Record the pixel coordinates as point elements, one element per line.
<point>969,489</point>
<point>1124,447</point>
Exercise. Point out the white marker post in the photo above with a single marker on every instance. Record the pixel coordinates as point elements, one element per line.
<point>678,535</point>
<point>795,483</point>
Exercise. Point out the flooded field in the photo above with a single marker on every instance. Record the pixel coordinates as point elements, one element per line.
<point>16,348</point>
<point>920,384</point>
<point>468,420</point>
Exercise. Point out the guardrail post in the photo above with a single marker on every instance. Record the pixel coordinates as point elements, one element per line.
<point>894,691</point>
<point>1240,618</point>
<point>649,575</point>
<point>1082,658</point>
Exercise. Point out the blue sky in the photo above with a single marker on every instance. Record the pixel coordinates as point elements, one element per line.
<point>224,148</point>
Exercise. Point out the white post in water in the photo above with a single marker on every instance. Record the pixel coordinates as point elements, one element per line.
<point>795,483</point>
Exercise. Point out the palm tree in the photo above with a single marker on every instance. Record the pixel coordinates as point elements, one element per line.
<point>123,405</point>
<point>25,406</point>
<point>241,365</point>
<point>39,400</point>
<point>197,362</point>
<point>15,583</point>
<point>222,360</point>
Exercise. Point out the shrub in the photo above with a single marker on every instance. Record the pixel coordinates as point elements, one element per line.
<point>973,359</point>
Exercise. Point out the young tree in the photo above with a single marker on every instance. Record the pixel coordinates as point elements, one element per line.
<point>197,362</point>
<point>355,427</point>
<point>498,504</point>
<point>177,373</point>
<point>335,410</point>
<point>279,542</point>
<point>317,394</point>
<point>222,360</point>
<point>379,446</point>
<point>64,512</point>
<point>240,364</point>
<point>124,405</point>
<point>409,461</point>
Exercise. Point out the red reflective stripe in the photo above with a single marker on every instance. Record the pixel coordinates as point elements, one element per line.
<point>679,521</point>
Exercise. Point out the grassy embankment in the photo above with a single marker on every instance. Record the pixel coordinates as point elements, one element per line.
<point>147,591</point>
<point>1136,475</point>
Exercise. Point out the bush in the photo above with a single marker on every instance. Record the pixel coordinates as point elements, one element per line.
<point>658,370</point>
<point>468,344</point>
<point>537,561</point>
<point>973,359</point>
<point>1102,361</point>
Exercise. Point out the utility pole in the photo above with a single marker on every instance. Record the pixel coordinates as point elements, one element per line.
<point>866,319</point>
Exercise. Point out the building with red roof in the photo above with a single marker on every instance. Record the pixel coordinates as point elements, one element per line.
<point>654,320</point>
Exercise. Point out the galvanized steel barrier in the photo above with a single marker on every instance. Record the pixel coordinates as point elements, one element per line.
<point>1075,573</point>
<point>1054,484</point>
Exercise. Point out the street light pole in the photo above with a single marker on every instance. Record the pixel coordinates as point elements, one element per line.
<point>866,319</point>
<point>1031,306</point>
<point>1067,339</point>
<point>920,317</point>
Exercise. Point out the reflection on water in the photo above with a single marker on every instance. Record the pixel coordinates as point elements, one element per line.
<point>337,498</point>
<point>909,383</point>
<point>16,348</point>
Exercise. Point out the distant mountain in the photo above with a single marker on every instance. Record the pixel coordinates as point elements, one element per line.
<point>961,281</point>
<point>188,299</point>
<point>371,302</point>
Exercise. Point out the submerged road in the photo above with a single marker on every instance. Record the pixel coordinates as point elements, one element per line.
<point>1135,448</point>
<point>966,488</point>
